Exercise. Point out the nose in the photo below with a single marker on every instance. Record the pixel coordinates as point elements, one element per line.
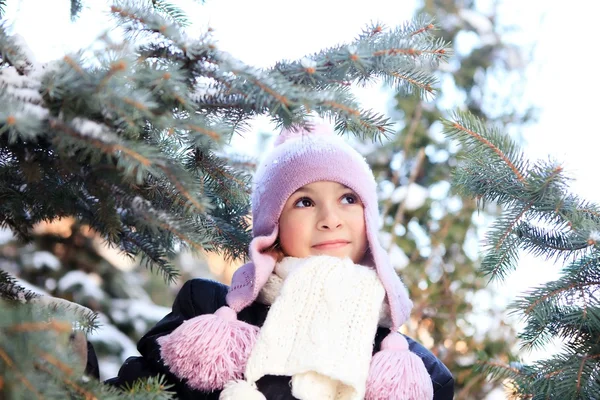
<point>329,219</point>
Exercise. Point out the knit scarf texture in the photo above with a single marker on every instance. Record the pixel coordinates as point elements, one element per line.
<point>320,327</point>
<point>272,288</point>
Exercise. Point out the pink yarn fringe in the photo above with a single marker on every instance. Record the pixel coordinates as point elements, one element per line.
<point>397,373</point>
<point>209,350</point>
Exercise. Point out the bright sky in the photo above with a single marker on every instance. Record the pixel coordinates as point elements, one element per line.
<point>260,32</point>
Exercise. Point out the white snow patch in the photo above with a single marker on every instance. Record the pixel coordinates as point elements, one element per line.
<point>386,188</point>
<point>6,236</point>
<point>9,77</point>
<point>421,237</point>
<point>45,259</point>
<point>308,63</point>
<point>35,110</point>
<point>119,316</point>
<point>482,24</point>
<point>398,258</point>
<point>143,314</point>
<point>454,204</point>
<point>50,284</point>
<point>414,196</point>
<point>140,326</point>
<point>92,129</point>
<point>439,190</point>
<point>30,287</point>
<point>79,278</point>
<point>231,62</point>
<point>109,367</point>
<point>24,94</point>
<point>24,47</point>
<point>111,337</point>
<point>385,238</point>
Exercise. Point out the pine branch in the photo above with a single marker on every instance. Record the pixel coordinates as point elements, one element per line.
<point>550,243</point>
<point>490,145</point>
<point>76,7</point>
<point>58,366</point>
<point>375,53</point>
<point>565,307</point>
<point>502,244</point>
<point>49,307</point>
<point>153,387</point>
<point>12,291</point>
<point>11,53</point>
<point>543,218</point>
<point>141,123</point>
<point>128,139</point>
<point>171,11</point>
<point>96,138</point>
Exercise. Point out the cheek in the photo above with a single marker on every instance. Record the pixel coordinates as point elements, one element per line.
<point>293,233</point>
<point>357,221</point>
<point>359,229</point>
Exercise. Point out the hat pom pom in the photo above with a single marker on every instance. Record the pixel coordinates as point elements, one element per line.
<point>237,390</point>
<point>397,373</point>
<point>313,127</point>
<point>209,350</point>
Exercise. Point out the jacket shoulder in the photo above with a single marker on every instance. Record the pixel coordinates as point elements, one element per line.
<point>199,296</point>
<point>196,297</point>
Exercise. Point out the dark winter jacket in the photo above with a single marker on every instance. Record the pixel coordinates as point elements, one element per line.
<point>198,297</point>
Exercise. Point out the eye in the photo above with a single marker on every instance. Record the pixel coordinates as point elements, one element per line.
<point>350,198</point>
<point>303,202</point>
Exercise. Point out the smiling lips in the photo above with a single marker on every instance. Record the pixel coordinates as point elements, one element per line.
<point>331,244</point>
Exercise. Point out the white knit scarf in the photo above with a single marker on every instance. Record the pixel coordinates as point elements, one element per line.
<point>272,288</point>
<point>320,328</point>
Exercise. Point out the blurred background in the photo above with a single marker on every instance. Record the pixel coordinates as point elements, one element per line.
<point>522,66</point>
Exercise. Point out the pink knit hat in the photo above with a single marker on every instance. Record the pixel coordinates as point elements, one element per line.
<point>301,157</point>
<point>222,343</point>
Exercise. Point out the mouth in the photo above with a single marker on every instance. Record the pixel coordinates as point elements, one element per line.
<point>331,244</point>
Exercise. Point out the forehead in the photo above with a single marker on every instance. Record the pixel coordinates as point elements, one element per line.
<point>322,187</point>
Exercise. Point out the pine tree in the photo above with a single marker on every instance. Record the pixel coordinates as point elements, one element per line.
<point>67,260</point>
<point>162,7</point>
<point>127,138</point>
<point>540,217</point>
<point>429,229</point>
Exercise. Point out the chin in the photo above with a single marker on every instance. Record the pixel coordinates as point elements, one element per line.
<point>333,253</point>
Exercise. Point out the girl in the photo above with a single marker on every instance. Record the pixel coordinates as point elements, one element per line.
<point>316,313</point>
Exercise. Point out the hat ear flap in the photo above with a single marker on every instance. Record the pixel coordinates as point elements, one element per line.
<point>249,279</point>
<point>396,293</point>
<point>264,263</point>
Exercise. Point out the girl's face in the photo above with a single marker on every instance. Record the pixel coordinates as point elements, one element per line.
<point>323,218</point>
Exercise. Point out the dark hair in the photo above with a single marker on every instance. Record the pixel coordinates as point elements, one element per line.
<point>276,246</point>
